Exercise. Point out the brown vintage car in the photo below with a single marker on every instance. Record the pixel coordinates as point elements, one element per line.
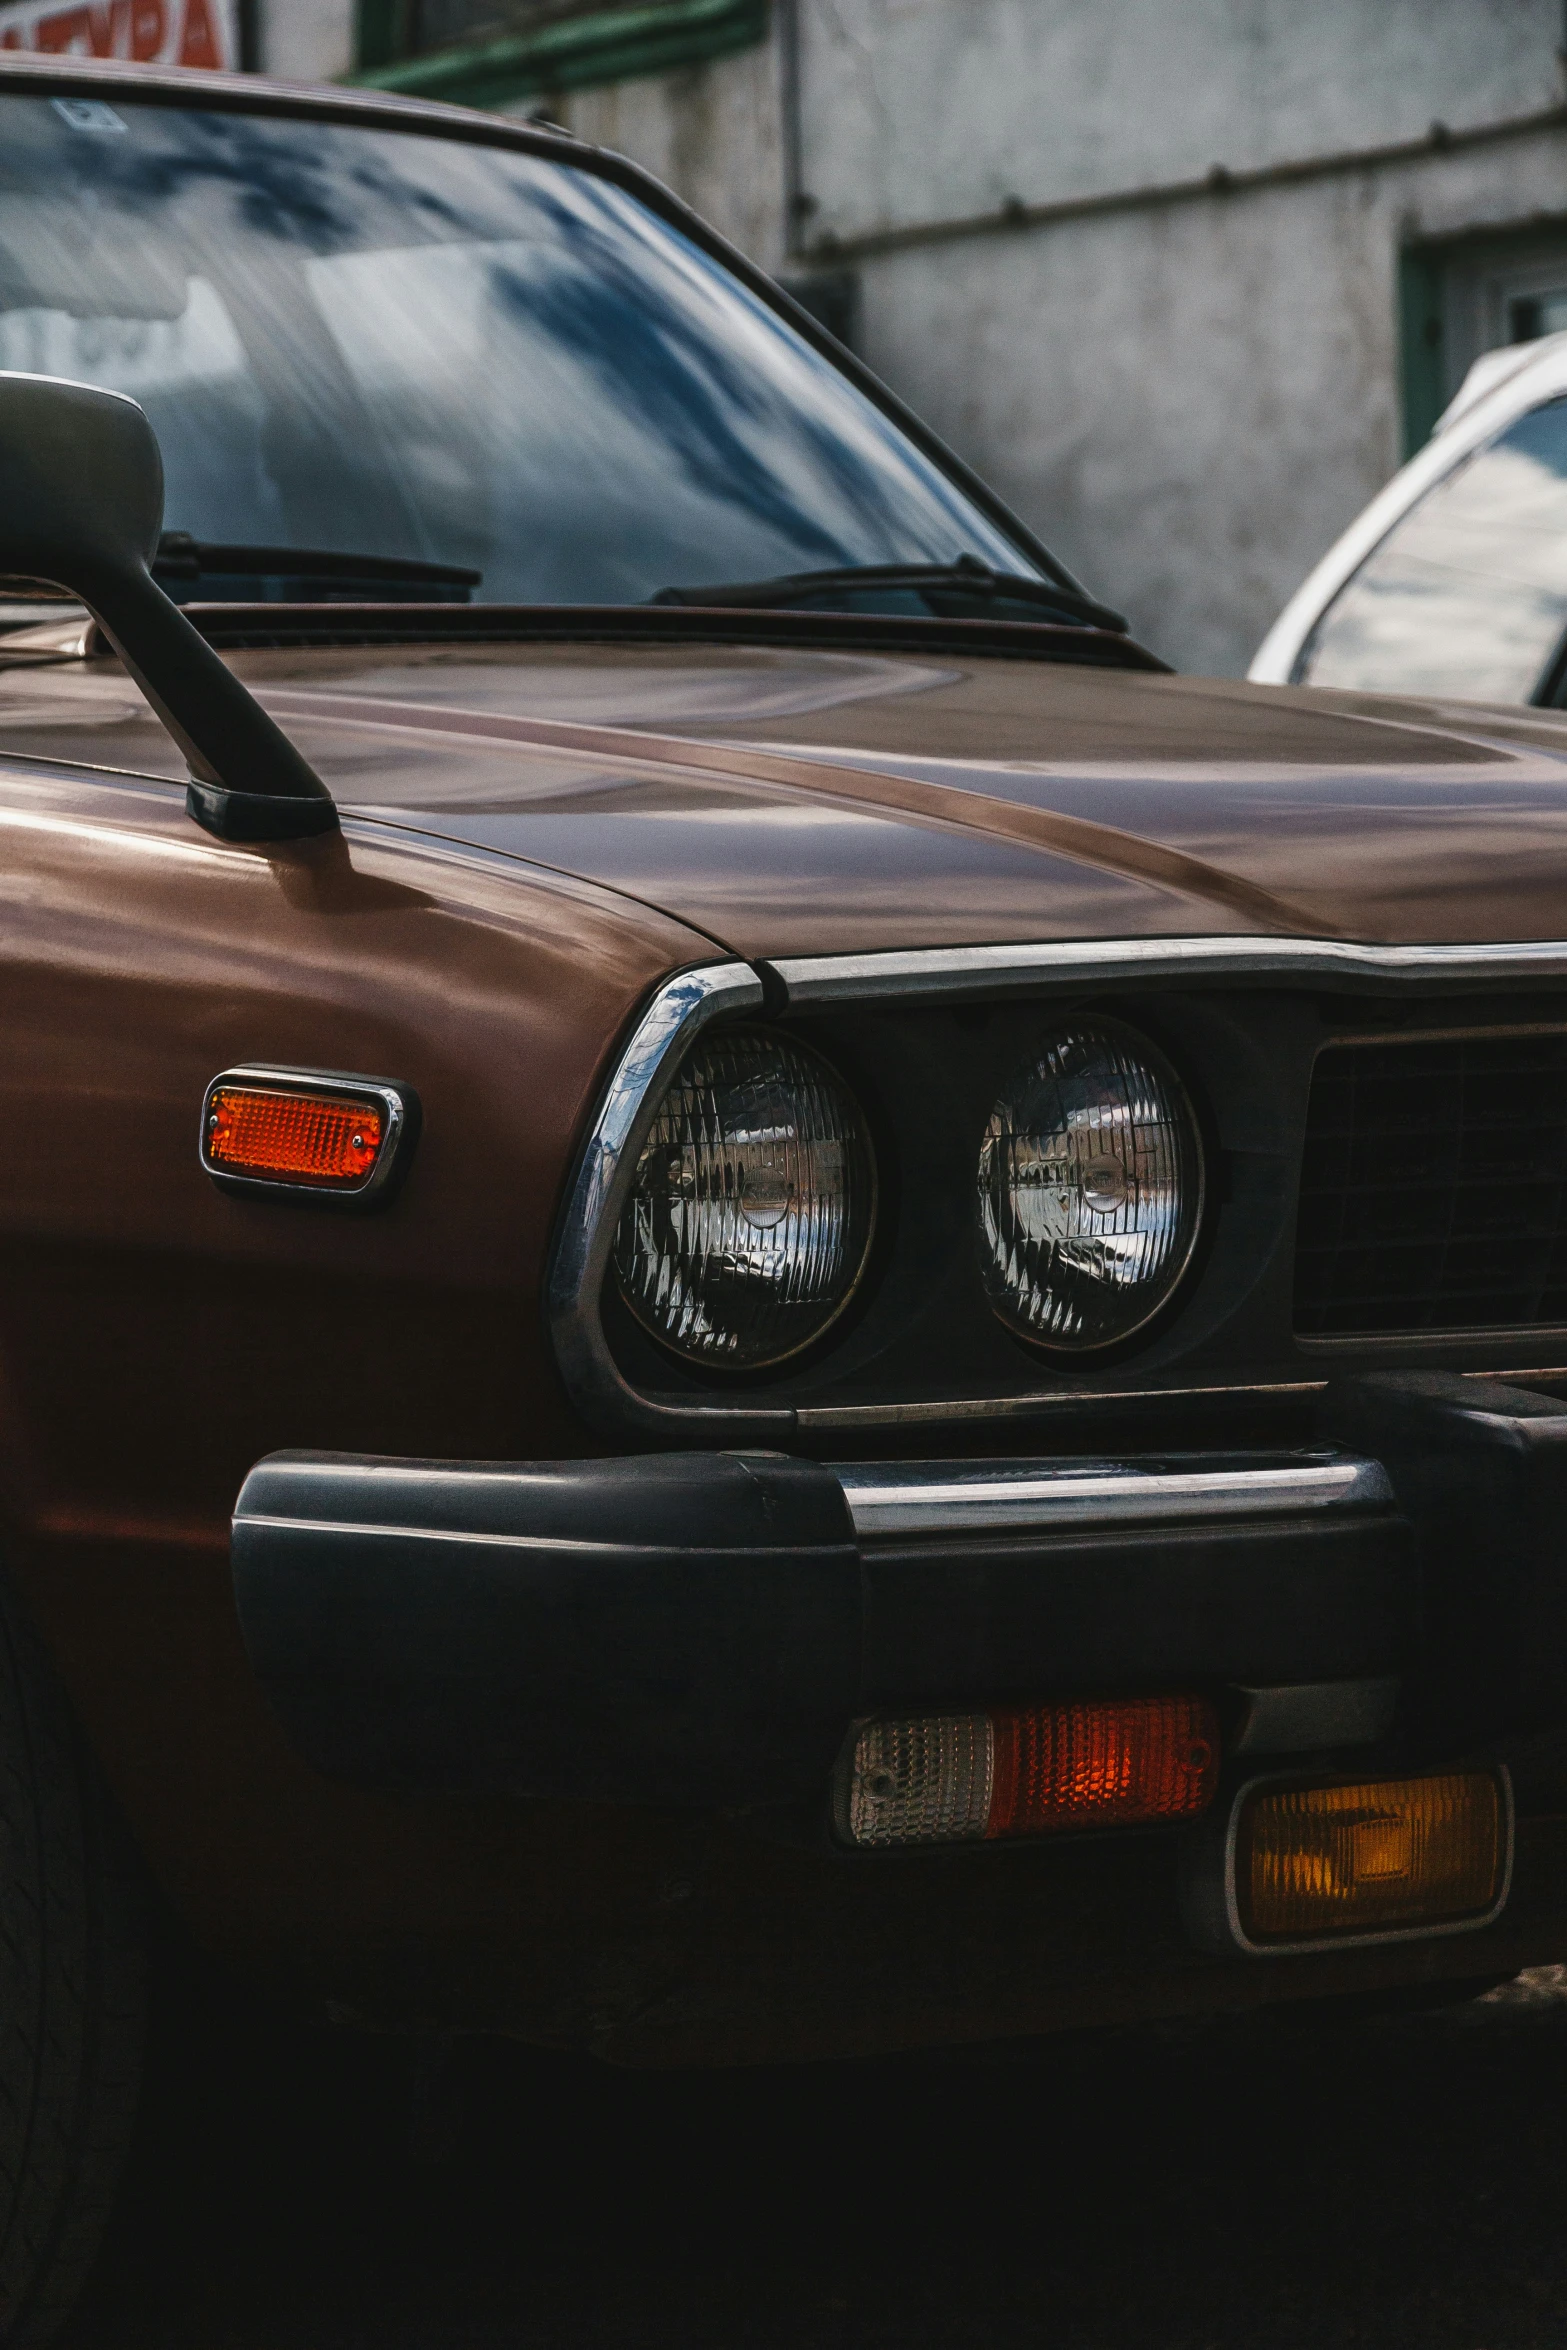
<point>755,1303</point>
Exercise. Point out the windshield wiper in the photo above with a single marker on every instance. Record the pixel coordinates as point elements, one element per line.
<point>962,590</point>
<point>311,575</point>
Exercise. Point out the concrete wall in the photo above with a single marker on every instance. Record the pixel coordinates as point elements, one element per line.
<point>1188,397</point>
<point>306,40</point>
<point>1187,389</point>
<point>1189,403</point>
<point>914,109</point>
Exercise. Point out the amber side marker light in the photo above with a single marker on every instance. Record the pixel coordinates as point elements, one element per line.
<point>1027,1771</point>
<point>304,1131</point>
<point>293,1137</point>
<point>1368,1860</point>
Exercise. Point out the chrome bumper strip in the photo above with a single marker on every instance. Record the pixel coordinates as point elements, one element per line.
<point>963,1498</point>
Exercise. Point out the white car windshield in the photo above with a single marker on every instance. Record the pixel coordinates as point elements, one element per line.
<point>1467,594</point>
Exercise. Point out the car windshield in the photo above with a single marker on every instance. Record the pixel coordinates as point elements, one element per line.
<point>429,349</point>
<point>1467,594</point>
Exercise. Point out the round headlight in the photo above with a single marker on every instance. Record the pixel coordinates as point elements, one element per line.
<point>1090,1188</point>
<point>750,1214</point>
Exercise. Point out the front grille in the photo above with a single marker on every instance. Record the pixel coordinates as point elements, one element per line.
<point>1434,1187</point>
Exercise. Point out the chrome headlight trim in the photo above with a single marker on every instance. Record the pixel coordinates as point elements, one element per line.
<point>678,1013</point>
<point>685,1003</point>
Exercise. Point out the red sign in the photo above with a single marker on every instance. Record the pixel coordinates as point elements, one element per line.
<point>162,32</point>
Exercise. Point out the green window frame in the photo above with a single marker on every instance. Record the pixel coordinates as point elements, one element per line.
<point>567,53</point>
<point>1422,338</point>
<point>1447,286</point>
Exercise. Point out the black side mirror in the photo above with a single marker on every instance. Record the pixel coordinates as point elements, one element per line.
<point>81,505</point>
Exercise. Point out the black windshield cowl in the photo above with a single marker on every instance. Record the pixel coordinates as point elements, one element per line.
<point>964,590</point>
<point>187,568</point>
<point>280,626</point>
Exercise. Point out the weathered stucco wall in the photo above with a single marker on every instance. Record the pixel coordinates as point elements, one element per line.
<point>1188,399</point>
<point>307,40</point>
<point>920,109</point>
<point>1189,403</point>
<point>1187,389</point>
<point>1188,396</point>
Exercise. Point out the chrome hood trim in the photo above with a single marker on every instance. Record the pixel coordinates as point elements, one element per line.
<point>947,974</point>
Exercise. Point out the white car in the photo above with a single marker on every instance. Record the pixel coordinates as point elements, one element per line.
<point>1454,579</point>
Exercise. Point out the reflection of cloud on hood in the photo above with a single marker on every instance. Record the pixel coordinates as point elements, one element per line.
<point>1477,848</point>
<point>607,689</point>
<point>771,875</point>
<point>1385,836</point>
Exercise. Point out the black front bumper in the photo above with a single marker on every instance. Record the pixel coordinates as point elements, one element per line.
<point>705,1627</point>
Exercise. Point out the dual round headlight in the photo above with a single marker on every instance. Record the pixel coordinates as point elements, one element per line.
<point>751,1210</point>
<point>1090,1188</point>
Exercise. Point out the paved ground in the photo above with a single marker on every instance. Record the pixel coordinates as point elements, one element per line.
<point>1399,2183</point>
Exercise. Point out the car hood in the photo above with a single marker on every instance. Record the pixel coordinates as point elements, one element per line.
<point>791,801</point>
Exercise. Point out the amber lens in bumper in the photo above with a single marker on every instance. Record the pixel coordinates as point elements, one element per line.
<point>1028,1770</point>
<point>1375,1857</point>
<point>330,1140</point>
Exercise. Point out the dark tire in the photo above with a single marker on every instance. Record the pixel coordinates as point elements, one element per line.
<point>73,1994</point>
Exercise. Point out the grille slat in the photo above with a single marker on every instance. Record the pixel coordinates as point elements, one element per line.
<point>1434,1187</point>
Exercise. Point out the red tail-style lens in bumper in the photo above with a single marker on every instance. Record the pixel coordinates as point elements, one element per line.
<point>1028,1771</point>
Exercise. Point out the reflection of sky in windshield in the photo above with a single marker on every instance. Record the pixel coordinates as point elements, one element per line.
<point>410,346</point>
<point>1468,594</point>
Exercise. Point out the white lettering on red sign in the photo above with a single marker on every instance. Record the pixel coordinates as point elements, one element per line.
<point>160,32</point>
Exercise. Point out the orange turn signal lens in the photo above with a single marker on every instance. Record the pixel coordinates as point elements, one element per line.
<point>331,1141</point>
<point>1379,1856</point>
<point>1028,1770</point>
